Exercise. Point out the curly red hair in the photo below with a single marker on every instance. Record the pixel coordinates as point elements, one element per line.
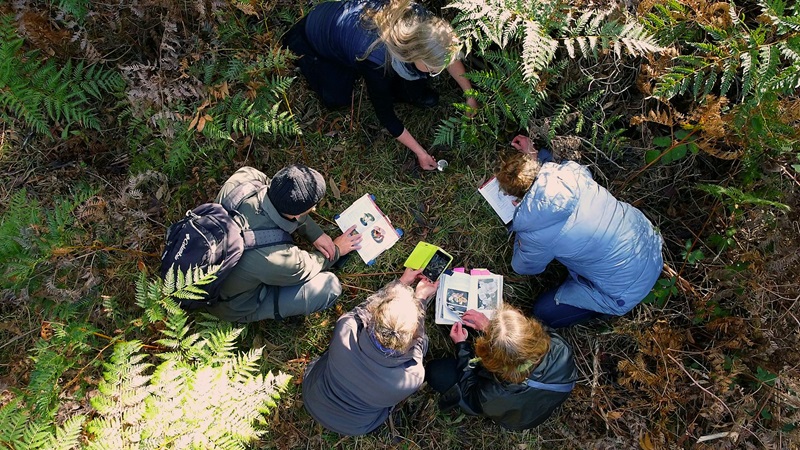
<point>512,345</point>
<point>517,173</point>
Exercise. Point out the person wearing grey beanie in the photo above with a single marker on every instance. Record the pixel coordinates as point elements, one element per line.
<point>296,189</point>
<point>282,280</point>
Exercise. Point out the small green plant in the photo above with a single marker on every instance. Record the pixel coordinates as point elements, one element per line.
<point>691,257</point>
<point>661,292</point>
<point>765,376</point>
<point>709,311</point>
<point>77,8</point>
<point>669,150</point>
<point>723,240</point>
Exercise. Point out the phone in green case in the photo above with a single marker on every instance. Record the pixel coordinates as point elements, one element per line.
<point>432,259</point>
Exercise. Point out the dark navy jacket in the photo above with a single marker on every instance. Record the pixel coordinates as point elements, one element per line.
<point>515,406</point>
<point>336,33</point>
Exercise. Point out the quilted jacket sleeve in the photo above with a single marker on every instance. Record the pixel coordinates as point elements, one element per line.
<point>530,257</point>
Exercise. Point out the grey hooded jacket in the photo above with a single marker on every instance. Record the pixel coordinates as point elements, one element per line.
<point>353,386</point>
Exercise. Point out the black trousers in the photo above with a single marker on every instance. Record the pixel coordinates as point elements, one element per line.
<point>441,374</point>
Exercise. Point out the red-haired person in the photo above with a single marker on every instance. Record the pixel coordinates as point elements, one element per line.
<point>517,374</point>
<point>610,248</point>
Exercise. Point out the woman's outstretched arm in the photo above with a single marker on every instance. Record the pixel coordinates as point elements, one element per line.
<point>457,71</point>
<point>424,158</point>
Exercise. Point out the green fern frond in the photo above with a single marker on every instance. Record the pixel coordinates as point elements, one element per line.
<point>729,70</point>
<point>203,382</point>
<point>749,59</point>
<point>40,95</point>
<point>13,417</point>
<point>558,119</point>
<point>67,436</point>
<point>36,435</point>
<point>740,197</point>
<point>775,10</point>
<point>537,51</point>
<point>445,132</point>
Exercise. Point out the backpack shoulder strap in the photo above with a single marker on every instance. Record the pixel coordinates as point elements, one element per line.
<point>265,237</point>
<point>240,193</point>
<point>254,238</point>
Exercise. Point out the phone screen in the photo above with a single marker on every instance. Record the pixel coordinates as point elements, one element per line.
<point>436,265</point>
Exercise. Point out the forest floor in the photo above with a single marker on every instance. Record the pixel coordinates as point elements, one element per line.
<point>711,361</point>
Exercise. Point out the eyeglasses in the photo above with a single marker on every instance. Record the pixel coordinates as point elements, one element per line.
<point>430,71</point>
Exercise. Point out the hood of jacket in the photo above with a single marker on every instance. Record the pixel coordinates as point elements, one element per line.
<point>558,365</point>
<point>372,352</point>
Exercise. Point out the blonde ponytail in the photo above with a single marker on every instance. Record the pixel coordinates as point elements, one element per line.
<point>396,317</point>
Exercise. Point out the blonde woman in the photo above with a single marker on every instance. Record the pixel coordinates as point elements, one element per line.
<point>395,45</point>
<point>522,372</point>
<point>374,360</point>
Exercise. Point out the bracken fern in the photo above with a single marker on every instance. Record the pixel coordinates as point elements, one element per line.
<point>41,95</point>
<point>539,42</point>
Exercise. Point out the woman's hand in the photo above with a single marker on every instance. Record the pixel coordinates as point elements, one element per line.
<point>410,275</point>
<point>348,241</point>
<point>523,144</point>
<point>426,289</point>
<point>426,161</point>
<point>473,104</point>
<point>458,333</point>
<point>475,320</point>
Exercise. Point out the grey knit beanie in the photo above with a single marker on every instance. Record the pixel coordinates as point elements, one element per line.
<point>296,189</point>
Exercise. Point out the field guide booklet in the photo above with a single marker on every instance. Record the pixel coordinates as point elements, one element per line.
<point>502,203</point>
<point>458,291</point>
<point>377,232</point>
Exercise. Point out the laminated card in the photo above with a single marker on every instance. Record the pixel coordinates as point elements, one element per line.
<point>502,203</point>
<point>378,234</point>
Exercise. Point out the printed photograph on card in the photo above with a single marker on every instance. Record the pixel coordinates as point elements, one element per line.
<point>456,301</point>
<point>488,293</point>
<point>378,234</point>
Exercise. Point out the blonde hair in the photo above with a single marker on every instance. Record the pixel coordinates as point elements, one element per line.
<point>512,345</point>
<point>410,33</point>
<point>396,317</point>
<point>517,173</point>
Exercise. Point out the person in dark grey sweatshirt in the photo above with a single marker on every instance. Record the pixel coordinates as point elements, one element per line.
<point>374,360</point>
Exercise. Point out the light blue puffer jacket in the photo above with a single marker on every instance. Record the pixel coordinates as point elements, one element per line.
<point>611,249</point>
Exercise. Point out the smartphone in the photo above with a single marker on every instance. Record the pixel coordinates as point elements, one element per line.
<point>438,263</point>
